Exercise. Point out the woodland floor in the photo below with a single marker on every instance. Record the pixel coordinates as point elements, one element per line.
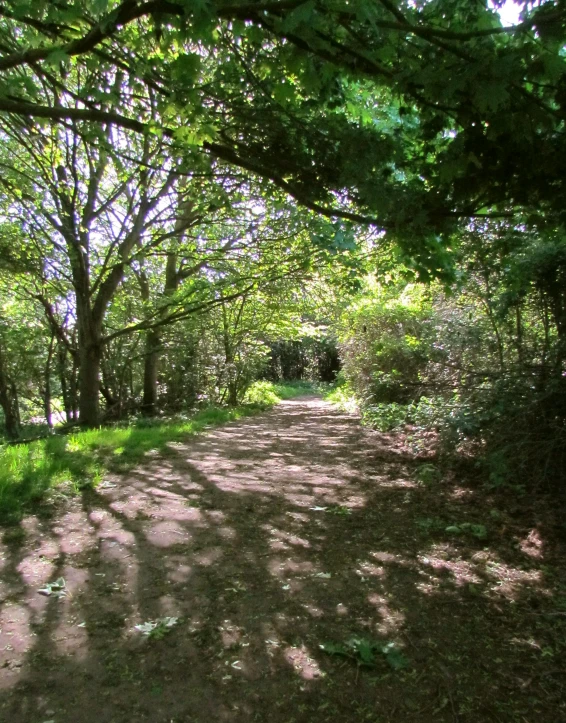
<point>268,538</point>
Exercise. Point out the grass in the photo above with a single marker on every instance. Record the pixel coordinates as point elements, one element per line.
<point>75,461</point>
<point>270,393</point>
<point>343,397</point>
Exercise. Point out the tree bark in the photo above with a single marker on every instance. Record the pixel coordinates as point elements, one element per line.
<point>150,372</point>
<point>74,391</point>
<point>89,382</point>
<point>47,384</point>
<point>66,384</point>
<point>8,401</point>
<point>90,355</point>
<point>153,336</point>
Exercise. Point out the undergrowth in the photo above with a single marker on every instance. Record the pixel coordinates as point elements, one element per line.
<point>266,394</point>
<point>81,459</point>
<point>343,397</point>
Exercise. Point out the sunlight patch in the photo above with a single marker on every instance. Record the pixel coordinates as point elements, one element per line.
<point>462,572</point>
<point>532,545</point>
<point>302,662</point>
<point>391,620</point>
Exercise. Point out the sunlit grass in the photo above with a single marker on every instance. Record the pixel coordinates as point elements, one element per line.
<point>343,397</point>
<point>269,393</point>
<point>81,459</point>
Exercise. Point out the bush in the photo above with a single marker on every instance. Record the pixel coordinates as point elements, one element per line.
<point>488,377</point>
<point>386,417</point>
<point>520,432</point>
<point>386,345</point>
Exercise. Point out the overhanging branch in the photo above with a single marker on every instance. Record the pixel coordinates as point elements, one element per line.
<point>223,152</point>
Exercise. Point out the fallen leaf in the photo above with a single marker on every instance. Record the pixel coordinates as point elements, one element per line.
<point>57,588</point>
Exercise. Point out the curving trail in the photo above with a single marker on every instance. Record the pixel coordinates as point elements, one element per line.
<point>267,538</point>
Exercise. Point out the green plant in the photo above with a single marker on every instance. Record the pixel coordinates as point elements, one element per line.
<point>435,525</point>
<point>157,629</point>
<point>468,528</point>
<point>428,473</point>
<point>430,524</point>
<point>265,394</point>
<point>386,417</point>
<point>340,510</point>
<point>367,652</point>
<point>343,396</point>
<point>386,343</point>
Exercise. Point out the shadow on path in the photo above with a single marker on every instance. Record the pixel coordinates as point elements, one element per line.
<point>267,538</point>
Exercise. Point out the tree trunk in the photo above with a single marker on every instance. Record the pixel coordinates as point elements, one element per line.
<point>89,379</point>
<point>233,392</point>
<point>65,391</point>
<point>9,402</point>
<point>108,387</point>
<point>151,367</point>
<point>47,384</point>
<point>519,332</point>
<point>173,277</point>
<point>73,391</point>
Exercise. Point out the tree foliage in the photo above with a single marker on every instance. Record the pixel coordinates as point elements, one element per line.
<point>411,115</point>
<point>191,191</point>
<point>481,362</point>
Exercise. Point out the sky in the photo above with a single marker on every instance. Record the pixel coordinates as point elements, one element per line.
<point>509,13</point>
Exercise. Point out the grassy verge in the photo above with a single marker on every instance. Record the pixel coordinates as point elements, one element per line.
<point>270,393</point>
<point>343,397</point>
<point>81,459</point>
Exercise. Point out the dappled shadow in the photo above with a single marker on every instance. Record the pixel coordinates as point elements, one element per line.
<point>268,538</point>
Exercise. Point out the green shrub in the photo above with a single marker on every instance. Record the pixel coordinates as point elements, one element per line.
<point>261,393</point>
<point>386,417</point>
<point>265,394</point>
<point>386,344</point>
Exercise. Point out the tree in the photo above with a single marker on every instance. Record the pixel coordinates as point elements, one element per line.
<point>88,214</point>
<point>413,116</point>
<point>231,254</point>
<point>95,212</point>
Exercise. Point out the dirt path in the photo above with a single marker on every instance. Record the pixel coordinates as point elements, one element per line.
<point>267,538</point>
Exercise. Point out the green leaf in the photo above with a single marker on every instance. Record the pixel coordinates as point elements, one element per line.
<point>365,652</point>
<point>254,34</point>
<point>490,95</point>
<point>57,588</point>
<point>57,57</point>
<point>301,15</point>
<point>479,531</point>
<point>99,7</point>
<point>186,68</point>
<point>395,659</point>
<point>334,649</point>
<point>238,28</point>
<point>157,628</point>
<point>283,92</point>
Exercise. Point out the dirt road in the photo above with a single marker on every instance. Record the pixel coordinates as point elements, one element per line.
<point>258,543</point>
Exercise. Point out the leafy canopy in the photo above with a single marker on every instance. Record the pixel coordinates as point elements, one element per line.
<point>413,116</point>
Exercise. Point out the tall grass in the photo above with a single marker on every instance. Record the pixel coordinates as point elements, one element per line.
<point>81,459</point>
